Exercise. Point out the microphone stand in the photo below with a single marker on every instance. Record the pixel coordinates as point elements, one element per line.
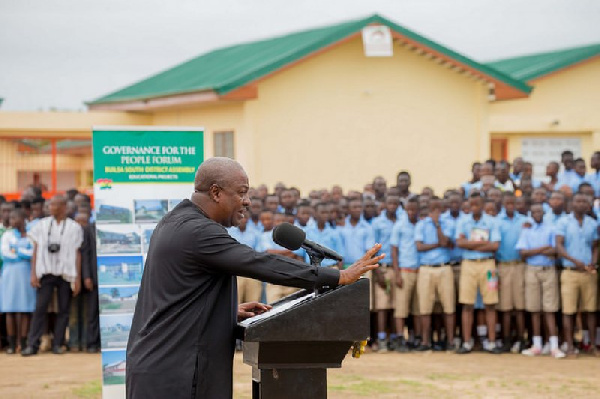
<point>316,257</point>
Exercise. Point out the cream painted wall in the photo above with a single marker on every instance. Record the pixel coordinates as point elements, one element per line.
<point>8,160</point>
<point>343,118</point>
<point>565,104</point>
<point>231,116</point>
<point>64,124</point>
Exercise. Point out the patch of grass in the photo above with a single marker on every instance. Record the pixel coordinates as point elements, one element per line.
<point>363,388</point>
<point>446,377</point>
<point>91,390</point>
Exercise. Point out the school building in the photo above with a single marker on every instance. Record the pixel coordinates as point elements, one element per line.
<point>336,104</point>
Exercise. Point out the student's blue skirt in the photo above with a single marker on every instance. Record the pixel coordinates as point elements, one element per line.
<point>16,293</point>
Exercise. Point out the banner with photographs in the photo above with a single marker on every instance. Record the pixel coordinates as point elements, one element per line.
<point>140,174</point>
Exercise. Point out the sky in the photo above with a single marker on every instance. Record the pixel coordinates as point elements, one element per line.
<point>57,54</point>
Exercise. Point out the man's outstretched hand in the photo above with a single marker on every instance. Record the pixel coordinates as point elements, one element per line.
<point>368,262</point>
<point>251,309</point>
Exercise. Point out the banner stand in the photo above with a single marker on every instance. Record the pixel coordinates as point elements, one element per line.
<point>140,174</point>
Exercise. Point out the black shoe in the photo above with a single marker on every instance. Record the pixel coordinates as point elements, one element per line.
<point>438,346</point>
<point>416,343</point>
<point>92,349</point>
<point>57,350</point>
<point>506,346</point>
<point>463,350</point>
<point>29,351</point>
<point>451,348</point>
<point>12,345</point>
<point>401,346</point>
<point>422,348</point>
<point>496,350</point>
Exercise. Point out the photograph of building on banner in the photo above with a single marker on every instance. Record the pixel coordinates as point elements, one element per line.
<point>114,211</point>
<point>117,299</point>
<point>118,239</point>
<point>113,367</point>
<point>120,270</point>
<point>150,210</point>
<point>114,330</point>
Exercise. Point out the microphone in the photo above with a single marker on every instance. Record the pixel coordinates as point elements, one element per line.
<point>292,238</point>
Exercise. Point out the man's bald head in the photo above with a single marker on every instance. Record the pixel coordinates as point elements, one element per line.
<point>218,170</point>
<point>222,191</point>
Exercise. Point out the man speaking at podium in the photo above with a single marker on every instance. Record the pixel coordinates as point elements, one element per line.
<point>182,342</point>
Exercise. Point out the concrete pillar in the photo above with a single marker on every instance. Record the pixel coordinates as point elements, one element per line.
<point>8,166</point>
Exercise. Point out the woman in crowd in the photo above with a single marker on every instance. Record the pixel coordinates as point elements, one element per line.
<point>18,296</point>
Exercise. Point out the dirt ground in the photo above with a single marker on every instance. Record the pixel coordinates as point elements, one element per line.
<point>428,375</point>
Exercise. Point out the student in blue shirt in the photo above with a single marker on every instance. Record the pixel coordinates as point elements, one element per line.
<point>17,296</point>
<point>287,202</point>
<point>557,208</point>
<point>380,188</point>
<point>594,176</point>
<point>405,260</point>
<point>272,203</point>
<point>322,233</point>
<point>517,168</point>
<point>479,237</point>
<point>540,196</point>
<point>266,244</point>
<point>403,182</point>
<point>452,216</point>
<point>383,276</point>
<point>248,289</point>
<point>370,210</point>
<point>587,189</point>
<point>537,246</point>
<point>573,180</point>
<point>436,277</point>
<point>527,173</point>
<point>256,207</point>
<point>304,217</point>
<point>568,177</point>
<point>568,161</point>
<point>577,245</point>
<point>356,234</point>
<point>511,272</point>
<point>475,175</point>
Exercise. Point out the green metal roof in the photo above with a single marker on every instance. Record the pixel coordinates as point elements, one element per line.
<point>230,68</point>
<point>533,66</point>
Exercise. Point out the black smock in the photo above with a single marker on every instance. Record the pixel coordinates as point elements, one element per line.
<point>181,343</point>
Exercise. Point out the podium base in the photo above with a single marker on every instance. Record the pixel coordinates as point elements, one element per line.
<point>289,383</point>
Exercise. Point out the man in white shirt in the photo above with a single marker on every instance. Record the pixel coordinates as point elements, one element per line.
<point>56,263</point>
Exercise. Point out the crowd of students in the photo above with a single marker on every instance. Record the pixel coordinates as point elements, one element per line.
<point>505,257</point>
<point>47,257</point>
